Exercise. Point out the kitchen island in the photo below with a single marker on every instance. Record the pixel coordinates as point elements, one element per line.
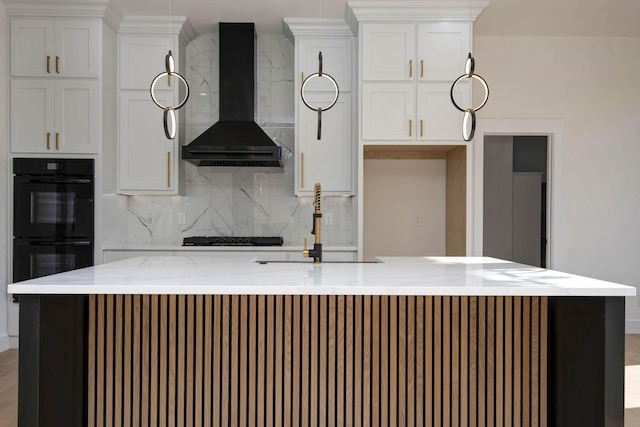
<point>201,340</point>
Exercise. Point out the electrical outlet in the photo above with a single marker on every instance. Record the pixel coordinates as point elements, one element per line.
<point>417,220</point>
<point>328,218</point>
<point>182,218</point>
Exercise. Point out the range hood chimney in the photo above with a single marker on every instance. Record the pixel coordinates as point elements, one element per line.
<point>236,139</point>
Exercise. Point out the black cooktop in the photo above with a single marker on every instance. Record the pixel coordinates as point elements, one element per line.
<point>231,241</point>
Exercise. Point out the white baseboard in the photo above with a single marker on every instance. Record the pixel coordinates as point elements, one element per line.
<point>5,343</point>
<point>632,327</point>
<point>14,342</point>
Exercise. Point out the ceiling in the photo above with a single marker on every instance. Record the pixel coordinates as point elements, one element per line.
<point>502,17</point>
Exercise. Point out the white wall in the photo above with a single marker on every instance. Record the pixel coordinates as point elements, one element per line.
<point>4,174</point>
<point>395,192</point>
<point>592,84</point>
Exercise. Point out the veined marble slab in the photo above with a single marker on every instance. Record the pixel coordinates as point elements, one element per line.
<point>238,274</point>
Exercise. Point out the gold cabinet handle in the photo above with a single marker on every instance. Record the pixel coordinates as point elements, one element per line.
<point>57,141</point>
<point>410,127</point>
<point>421,127</point>
<point>422,68</point>
<point>411,68</point>
<point>48,64</point>
<point>48,140</point>
<point>57,64</point>
<point>301,170</point>
<point>302,77</point>
<point>169,169</point>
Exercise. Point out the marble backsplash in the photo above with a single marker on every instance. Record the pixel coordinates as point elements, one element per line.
<point>220,201</point>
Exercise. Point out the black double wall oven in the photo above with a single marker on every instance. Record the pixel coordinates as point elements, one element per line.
<point>53,216</point>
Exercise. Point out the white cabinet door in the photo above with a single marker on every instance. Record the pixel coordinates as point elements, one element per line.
<point>147,160</point>
<point>337,57</point>
<point>328,160</point>
<point>438,119</point>
<point>32,41</point>
<point>49,116</point>
<point>442,50</point>
<point>413,62</point>
<point>76,116</point>
<point>388,52</point>
<point>142,58</point>
<point>77,48</point>
<point>388,111</point>
<point>55,48</point>
<point>32,119</point>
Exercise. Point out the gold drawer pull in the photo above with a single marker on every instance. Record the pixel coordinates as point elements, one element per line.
<point>410,127</point>
<point>57,64</point>
<point>411,68</point>
<point>421,127</point>
<point>57,141</point>
<point>169,169</point>
<point>48,64</point>
<point>48,140</point>
<point>422,68</point>
<point>301,170</point>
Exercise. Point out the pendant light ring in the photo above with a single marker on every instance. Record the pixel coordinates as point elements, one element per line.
<point>168,74</point>
<point>335,86</point>
<point>484,84</point>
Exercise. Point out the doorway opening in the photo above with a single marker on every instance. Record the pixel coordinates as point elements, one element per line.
<point>515,194</point>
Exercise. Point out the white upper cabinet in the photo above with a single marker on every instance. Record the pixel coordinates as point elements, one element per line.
<point>54,116</point>
<point>407,72</point>
<point>410,53</point>
<point>55,47</point>
<point>148,162</point>
<point>327,160</point>
<point>337,57</point>
<point>442,50</point>
<point>330,159</point>
<point>388,52</point>
<point>411,113</point>
<point>55,85</point>
<point>436,118</point>
<point>433,51</point>
<point>388,111</point>
<point>142,58</point>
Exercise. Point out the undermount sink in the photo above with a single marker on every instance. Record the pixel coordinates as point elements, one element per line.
<point>311,262</point>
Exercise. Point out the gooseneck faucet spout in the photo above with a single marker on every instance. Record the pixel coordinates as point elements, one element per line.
<point>316,252</point>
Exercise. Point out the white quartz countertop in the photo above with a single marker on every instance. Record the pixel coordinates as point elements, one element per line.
<point>239,274</point>
<point>179,247</point>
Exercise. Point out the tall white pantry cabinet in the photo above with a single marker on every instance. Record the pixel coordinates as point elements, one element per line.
<point>61,94</point>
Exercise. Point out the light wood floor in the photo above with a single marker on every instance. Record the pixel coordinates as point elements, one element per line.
<point>9,388</point>
<point>9,385</point>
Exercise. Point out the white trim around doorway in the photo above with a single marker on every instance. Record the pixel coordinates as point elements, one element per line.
<point>554,130</point>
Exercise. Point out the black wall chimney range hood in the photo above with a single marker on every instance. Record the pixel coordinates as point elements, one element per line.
<point>236,139</point>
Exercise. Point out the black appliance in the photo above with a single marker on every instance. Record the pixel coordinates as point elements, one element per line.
<point>53,216</point>
<point>235,140</point>
<point>231,241</point>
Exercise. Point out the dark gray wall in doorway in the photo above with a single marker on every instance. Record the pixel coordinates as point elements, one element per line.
<point>514,200</point>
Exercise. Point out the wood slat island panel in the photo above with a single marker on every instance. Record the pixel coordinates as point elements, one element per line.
<point>317,360</point>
